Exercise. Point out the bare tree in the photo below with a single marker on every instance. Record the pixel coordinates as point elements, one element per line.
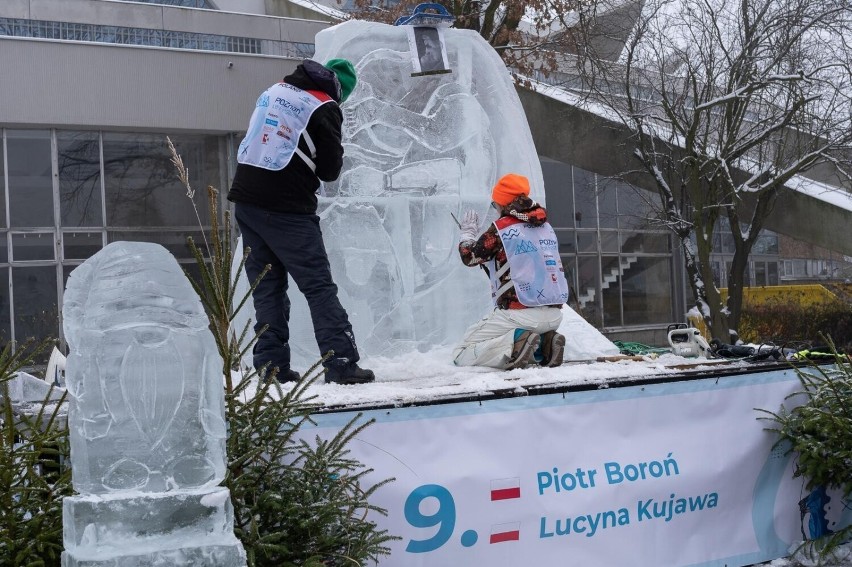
<point>729,103</point>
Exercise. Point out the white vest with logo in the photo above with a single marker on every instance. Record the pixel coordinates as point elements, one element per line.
<point>279,119</point>
<point>532,255</point>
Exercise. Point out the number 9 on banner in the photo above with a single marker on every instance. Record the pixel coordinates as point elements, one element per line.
<point>444,517</point>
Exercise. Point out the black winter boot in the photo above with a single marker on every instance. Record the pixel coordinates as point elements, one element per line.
<point>288,375</point>
<point>283,376</point>
<point>341,371</point>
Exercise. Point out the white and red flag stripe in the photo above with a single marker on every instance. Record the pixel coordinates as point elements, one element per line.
<point>505,532</point>
<point>505,488</point>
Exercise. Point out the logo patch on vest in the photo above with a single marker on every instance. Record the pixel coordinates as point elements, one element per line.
<point>525,247</point>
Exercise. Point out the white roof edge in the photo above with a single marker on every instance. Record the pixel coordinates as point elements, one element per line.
<point>824,192</point>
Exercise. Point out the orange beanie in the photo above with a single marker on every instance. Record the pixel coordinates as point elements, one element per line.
<point>508,187</point>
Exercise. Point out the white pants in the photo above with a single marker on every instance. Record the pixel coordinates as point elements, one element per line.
<point>489,342</point>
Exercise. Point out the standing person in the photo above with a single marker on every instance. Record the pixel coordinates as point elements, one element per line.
<point>521,256</point>
<point>293,142</point>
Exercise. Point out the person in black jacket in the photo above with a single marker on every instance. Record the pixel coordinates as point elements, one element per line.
<point>293,142</point>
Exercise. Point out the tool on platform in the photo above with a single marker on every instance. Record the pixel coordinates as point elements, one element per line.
<point>687,341</point>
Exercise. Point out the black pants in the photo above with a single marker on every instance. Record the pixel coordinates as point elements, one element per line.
<point>292,244</point>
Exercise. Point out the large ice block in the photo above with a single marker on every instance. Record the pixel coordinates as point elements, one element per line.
<point>102,527</point>
<point>26,388</point>
<point>146,417</point>
<point>418,149</point>
<point>209,553</point>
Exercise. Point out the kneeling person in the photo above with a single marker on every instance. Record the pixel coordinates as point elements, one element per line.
<point>521,256</point>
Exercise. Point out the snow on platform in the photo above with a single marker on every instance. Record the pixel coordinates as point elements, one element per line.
<point>431,377</point>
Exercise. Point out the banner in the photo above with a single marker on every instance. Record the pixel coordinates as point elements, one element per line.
<point>674,474</point>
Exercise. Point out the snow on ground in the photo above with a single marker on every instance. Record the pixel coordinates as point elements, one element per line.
<point>421,377</point>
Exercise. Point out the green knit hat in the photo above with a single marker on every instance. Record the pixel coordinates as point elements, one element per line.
<point>345,74</point>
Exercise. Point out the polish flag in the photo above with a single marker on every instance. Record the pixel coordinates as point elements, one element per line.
<point>505,532</point>
<point>505,488</point>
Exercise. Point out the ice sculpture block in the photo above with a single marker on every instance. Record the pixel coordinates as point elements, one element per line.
<point>146,417</point>
<point>418,149</point>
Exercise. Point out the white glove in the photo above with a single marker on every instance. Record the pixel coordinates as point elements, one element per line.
<point>469,226</point>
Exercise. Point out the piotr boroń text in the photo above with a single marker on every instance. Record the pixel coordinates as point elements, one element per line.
<point>555,481</point>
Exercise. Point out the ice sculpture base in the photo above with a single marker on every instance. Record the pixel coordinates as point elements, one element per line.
<point>186,527</point>
<point>212,554</point>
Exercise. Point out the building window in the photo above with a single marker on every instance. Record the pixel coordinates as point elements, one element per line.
<point>82,174</point>
<point>68,31</point>
<point>79,155</point>
<point>141,187</point>
<point>5,304</point>
<point>772,273</point>
<point>759,272</point>
<point>35,302</point>
<point>620,271</point>
<point>760,275</point>
<point>71,31</point>
<point>30,178</point>
<point>766,243</point>
<point>646,290</point>
<point>32,246</point>
<point>3,223</point>
<point>81,245</point>
<point>172,240</point>
<point>610,282</point>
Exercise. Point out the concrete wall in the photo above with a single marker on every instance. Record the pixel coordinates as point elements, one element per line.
<point>244,6</point>
<point>283,8</point>
<point>133,88</point>
<point>304,9</point>
<point>153,16</point>
<point>97,85</point>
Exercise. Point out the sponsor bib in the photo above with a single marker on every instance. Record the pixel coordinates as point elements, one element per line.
<point>280,117</point>
<point>534,263</point>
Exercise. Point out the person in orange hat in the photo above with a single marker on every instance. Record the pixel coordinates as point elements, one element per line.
<point>520,253</point>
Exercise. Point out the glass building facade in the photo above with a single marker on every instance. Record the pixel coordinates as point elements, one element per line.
<point>764,261</point>
<point>618,261</point>
<point>68,193</point>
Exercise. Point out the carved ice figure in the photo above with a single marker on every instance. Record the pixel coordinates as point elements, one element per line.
<point>417,149</point>
<point>146,416</point>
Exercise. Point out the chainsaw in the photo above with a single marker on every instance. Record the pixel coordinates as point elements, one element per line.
<point>687,341</point>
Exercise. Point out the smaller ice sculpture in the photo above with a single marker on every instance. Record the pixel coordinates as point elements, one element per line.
<point>145,418</point>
